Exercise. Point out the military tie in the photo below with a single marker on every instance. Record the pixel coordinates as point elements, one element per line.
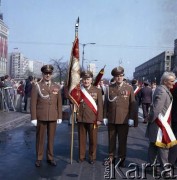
<point>48,84</point>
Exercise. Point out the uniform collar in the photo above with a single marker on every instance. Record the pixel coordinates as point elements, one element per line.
<point>120,85</point>
<point>88,87</point>
<point>47,83</point>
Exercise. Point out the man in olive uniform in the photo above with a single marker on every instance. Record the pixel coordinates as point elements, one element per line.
<point>46,108</point>
<point>119,112</point>
<point>90,115</point>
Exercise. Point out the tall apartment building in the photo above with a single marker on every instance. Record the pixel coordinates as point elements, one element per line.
<point>153,69</point>
<point>3,46</point>
<point>35,67</point>
<point>18,65</point>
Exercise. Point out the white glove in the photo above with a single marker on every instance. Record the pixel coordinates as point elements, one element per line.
<point>34,122</point>
<point>59,121</point>
<point>131,122</point>
<point>105,121</point>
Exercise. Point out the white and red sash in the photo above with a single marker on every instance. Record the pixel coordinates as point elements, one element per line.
<point>88,99</point>
<point>137,90</point>
<point>165,136</point>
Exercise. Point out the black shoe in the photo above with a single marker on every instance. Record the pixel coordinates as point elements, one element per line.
<point>52,162</point>
<point>122,165</point>
<point>38,163</point>
<point>91,161</point>
<point>121,162</point>
<point>80,160</point>
<point>109,161</point>
<point>174,166</point>
<point>145,122</point>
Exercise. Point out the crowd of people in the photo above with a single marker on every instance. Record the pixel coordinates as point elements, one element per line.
<point>15,95</point>
<point>116,105</point>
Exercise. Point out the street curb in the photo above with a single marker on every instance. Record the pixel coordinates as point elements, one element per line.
<point>24,118</point>
<point>15,123</point>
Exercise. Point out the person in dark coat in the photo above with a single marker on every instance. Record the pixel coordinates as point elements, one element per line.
<point>146,100</point>
<point>27,98</point>
<point>173,150</point>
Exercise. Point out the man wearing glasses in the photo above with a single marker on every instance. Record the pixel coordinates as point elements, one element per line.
<point>46,108</point>
<point>120,112</point>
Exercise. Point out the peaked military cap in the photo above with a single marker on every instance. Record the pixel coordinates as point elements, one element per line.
<point>86,74</point>
<point>146,83</point>
<point>47,68</point>
<point>134,81</point>
<point>117,71</point>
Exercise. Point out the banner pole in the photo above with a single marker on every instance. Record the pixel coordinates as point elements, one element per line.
<point>72,130</point>
<point>74,106</point>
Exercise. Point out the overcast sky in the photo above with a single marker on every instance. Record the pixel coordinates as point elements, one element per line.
<point>127,31</point>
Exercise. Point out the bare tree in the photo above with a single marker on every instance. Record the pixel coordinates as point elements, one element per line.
<point>60,69</point>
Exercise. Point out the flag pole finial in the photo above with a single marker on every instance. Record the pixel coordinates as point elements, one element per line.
<point>76,27</point>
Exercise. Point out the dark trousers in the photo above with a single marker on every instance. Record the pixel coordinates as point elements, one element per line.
<point>83,129</point>
<point>155,152</point>
<point>173,150</point>
<point>120,130</point>
<point>145,107</point>
<point>42,127</point>
<point>25,101</point>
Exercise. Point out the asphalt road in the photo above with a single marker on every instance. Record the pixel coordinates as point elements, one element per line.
<point>17,155</point>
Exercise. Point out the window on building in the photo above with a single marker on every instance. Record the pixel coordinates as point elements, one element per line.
<point>167,57</point>
<point>167,69</point>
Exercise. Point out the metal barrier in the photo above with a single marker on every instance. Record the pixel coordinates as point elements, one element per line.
<point>6,96</point>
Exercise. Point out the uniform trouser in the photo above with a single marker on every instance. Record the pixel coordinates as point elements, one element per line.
<point>145,107</point>
<point>42,127</point>
<point>83,129</point>
<point>157,152</point>
<point>122,131</point>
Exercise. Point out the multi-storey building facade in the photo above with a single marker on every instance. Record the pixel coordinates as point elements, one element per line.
<point>18,65</point>
<point>35,67</point>
<point>174,60</point>
<point>3,46</point>
<point>153,69</point>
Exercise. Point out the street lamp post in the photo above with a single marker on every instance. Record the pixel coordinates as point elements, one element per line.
<point>83,46</point>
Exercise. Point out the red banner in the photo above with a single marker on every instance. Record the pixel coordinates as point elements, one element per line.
<point>98,77</point>
<point>74,74</point>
